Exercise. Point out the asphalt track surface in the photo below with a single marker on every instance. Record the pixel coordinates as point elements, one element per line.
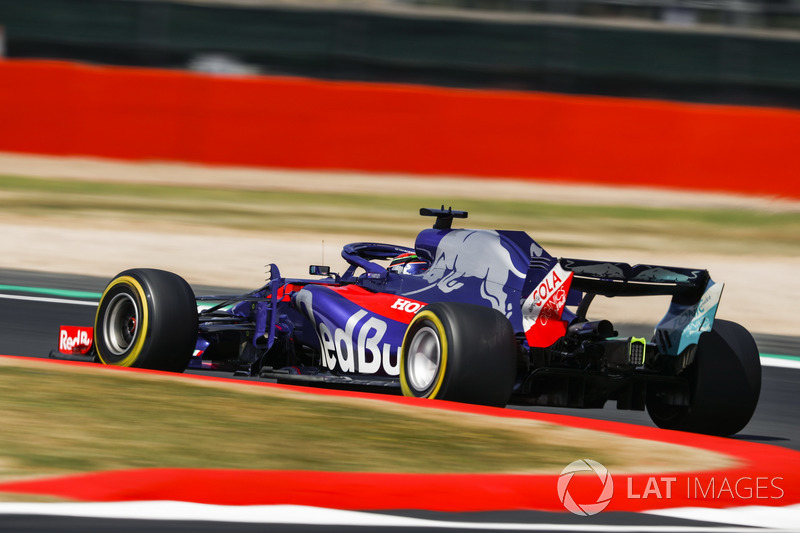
<point>29,327</point>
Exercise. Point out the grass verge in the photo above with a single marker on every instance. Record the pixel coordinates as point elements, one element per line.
<point>60,419</point>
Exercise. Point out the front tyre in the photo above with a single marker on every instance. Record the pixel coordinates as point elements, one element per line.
<point>146,319</point>
<point>459,352</point>
<point>724,385</point>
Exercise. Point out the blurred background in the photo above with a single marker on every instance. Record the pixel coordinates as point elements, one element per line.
<point>306,124</point>
<point>721,51</point>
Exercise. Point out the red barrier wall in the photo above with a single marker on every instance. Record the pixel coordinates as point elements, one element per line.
<point>63,108</point>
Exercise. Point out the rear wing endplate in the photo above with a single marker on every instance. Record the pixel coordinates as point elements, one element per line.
<point>695,297</point>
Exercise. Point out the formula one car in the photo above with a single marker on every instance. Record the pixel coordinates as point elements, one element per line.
<point>478,316</point>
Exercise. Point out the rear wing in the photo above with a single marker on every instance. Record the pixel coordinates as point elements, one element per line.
<point>622,279</point>
<point>695,297</point>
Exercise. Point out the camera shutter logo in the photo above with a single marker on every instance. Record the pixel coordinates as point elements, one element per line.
<point>590,508</point>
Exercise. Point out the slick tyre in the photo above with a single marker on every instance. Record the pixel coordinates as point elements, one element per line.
<point>459,352</point>
<point>724,385</point>
<point>146,319</point>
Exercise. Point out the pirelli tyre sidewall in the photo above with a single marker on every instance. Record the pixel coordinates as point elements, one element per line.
<point>459,352</point>
<point>724,383</point>
<point>146,318</point>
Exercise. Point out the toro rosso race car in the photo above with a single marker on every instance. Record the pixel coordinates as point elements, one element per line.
<point>478,316</point>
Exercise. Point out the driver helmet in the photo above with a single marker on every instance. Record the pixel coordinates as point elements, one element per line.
<point>408,263</point>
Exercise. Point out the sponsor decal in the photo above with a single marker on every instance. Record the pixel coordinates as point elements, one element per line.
<point>581,494</point>
<point>359,347</point>
<point>477,255</point>
<point>390,306</point>
<point>407,306</point>
<point>75,339</point>
<point>542,309</point>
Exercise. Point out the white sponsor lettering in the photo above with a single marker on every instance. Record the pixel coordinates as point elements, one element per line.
<point>81,339</point>
<point>343,341</point>
<point>327,345</point>
<point>356,348</point>
<point>406,305</point>
<point>368,346</point>
<point>547,299</point>
<point>391,369</point>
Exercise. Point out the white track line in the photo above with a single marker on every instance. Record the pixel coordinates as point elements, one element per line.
<point>754,515</point>
<point>316,516</point>
<point>779,362</point>
<point>47,300</point>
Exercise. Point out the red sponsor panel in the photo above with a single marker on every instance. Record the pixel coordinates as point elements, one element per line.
<point>399,308</point>
<point>75,339</point>
<point>542,309</point>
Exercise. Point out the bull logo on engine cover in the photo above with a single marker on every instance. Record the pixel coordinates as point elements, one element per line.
<point>473,254</point>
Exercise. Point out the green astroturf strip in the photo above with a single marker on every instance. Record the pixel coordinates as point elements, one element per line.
<point>52,292</point>
<point>787,357</point>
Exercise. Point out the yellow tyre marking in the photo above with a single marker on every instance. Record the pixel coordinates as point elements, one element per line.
<point>141,328</point>
<point>425,315</point>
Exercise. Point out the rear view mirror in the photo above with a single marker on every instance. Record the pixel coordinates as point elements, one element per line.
<point>319,270</point>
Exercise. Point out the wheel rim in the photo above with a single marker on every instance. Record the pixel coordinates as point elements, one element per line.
<point>423,359</point>
<point>121,323</point>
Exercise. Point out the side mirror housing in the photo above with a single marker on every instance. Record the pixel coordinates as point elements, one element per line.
<point>319,270</point>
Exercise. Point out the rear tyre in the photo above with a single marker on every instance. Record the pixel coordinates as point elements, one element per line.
<point>459,352</point>
<point>724,385</point>
<point>146,319</point>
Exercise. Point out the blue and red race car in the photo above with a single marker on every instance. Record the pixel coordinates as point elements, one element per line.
<point>478,316</point>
